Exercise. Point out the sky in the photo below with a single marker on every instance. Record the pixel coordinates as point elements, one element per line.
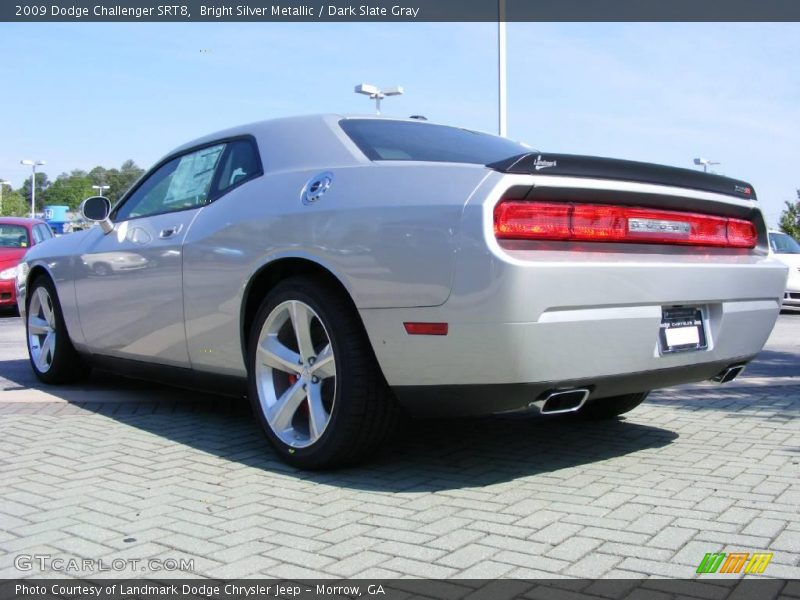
<point>79,95</point>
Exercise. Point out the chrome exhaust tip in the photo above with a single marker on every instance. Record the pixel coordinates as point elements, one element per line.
<point>728,374</point>
<point>562,401</point>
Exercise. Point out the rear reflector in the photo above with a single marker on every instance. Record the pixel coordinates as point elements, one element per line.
<point>426,328</point>
<point>519,220</point>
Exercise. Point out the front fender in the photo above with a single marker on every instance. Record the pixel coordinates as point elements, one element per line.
<point>61,268</point>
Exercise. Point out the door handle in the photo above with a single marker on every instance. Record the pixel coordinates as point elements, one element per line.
<point>170,231</point>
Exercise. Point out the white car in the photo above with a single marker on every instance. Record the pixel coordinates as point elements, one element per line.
<point>787,250</point>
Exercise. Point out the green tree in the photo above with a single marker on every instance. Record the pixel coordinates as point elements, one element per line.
<point>790,218</point>
<point>122,179</point>
<point>118,180</point>
<point>13,203</point>
<point>69,189</point>
<point>98,175</point>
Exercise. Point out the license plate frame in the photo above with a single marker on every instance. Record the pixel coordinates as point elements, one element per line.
<point>682,329</point>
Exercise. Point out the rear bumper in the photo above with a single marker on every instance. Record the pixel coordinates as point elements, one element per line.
<point>562,346</point>
<point>465,400</point>
<point>560,319</point>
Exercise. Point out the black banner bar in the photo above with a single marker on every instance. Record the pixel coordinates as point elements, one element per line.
<point>397,10</point>
<point>756,588</point>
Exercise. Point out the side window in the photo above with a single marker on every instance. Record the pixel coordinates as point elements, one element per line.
<point>181,183</point>
<point>240,163</point>
<point>44,231</point>
<point>37,234</point>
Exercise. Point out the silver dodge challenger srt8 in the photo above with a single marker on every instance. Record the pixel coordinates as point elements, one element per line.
<point>337,269</point>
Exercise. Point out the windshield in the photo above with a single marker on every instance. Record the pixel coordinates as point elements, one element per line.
<point>13,236</point>
<point>783,244</point>
<point>383,139</point>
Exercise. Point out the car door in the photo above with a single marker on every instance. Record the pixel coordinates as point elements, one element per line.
<point>129,294</point>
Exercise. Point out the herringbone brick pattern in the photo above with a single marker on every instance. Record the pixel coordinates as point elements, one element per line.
<point>116,469</point>
<point>689,472</point>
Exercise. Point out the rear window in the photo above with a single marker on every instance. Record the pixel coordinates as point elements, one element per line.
<point>382,139</point>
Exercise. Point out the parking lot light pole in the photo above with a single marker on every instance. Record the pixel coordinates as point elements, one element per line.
<point>33,164</point>
<point>705,163</point>
<point>100,188</point>
<point>502,98</point>
<point>2,183</point>
<point>377,94</point>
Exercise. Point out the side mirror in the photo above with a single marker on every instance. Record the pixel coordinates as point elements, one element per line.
<point>97,209</point>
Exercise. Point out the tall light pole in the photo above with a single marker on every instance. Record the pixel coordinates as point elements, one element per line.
<point>705,163</point>
<point>100,188</point>
<point>2,183</point>
<point>377,94</point>
<point>502,108</point>
<point>33,164</point>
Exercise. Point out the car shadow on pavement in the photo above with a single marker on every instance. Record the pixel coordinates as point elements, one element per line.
<point>422,455</point>
<point>738,398</point>
<point>771,363</point>
<point>440,454</point>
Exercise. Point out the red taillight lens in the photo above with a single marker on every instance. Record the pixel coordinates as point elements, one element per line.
<point>598,223</point>
<point>532,220</point>
<point>521,220</point>
<point>741,234</point>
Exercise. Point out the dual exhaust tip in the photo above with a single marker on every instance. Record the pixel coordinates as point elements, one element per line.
<point>728,374</point>
<point>567,401</point>
<point>561,401</point>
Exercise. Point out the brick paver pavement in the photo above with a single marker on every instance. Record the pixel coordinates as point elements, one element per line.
<point>140,471</point>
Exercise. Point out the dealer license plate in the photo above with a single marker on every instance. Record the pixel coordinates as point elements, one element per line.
<point>682,329</point>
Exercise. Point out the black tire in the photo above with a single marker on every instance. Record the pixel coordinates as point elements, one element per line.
<point>363,410</point>
<point>608,408</point>
<point>66,365</point>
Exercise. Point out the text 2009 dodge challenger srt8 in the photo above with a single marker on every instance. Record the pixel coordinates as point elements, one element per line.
<point>339,267</point>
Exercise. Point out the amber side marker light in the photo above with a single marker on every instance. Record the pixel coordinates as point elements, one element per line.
<point>563,221</point>
<point>426,328</point>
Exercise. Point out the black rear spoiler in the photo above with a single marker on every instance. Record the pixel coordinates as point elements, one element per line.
<point>573,165</point>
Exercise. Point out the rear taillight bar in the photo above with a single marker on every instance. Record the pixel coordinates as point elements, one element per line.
<point>522,220</point>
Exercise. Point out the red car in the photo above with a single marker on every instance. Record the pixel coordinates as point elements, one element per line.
<point>16,236</point>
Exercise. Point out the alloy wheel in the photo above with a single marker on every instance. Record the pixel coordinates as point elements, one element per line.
<point>42,329</point>
<point>295,374</point>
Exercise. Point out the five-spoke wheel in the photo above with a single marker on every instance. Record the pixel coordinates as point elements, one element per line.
<point>296,373</point>
<point>41,329</point>
<point>315,385</point>
<point>53,358</point>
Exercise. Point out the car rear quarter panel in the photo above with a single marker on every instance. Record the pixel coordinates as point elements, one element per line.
<point>388,231</point>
